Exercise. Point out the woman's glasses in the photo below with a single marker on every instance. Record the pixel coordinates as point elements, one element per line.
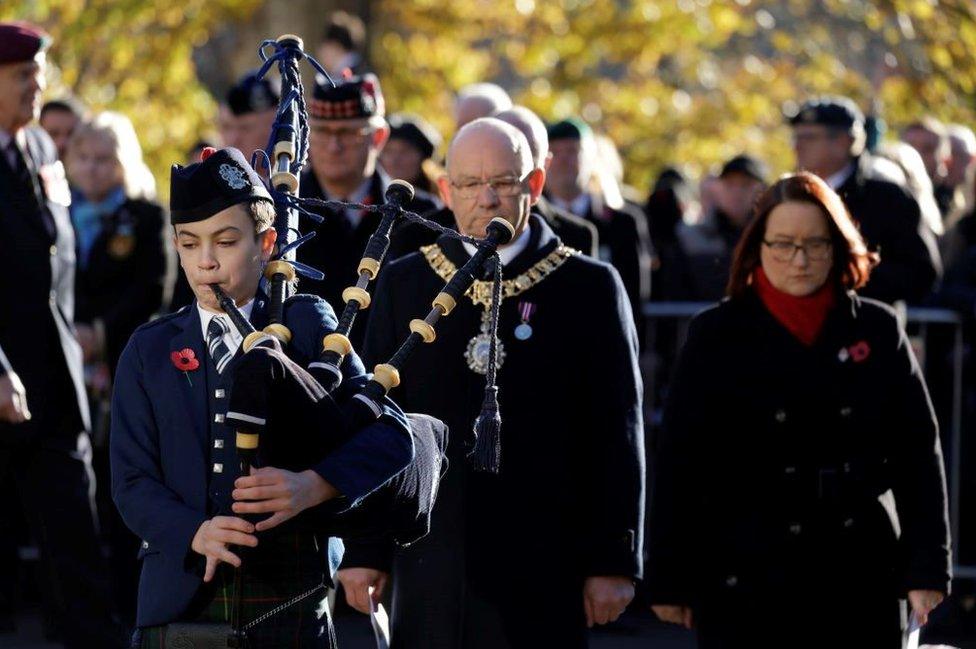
<point>816,249</point>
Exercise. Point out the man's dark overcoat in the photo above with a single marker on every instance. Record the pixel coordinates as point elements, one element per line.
<point>890,220</point>
<point>568,501</point>
<point>341,240</point>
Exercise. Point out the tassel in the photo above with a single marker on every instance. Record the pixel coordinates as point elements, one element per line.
<point>487,453</point>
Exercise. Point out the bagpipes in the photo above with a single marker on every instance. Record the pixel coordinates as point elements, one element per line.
<point>285,415</point>
<point>288,147</point>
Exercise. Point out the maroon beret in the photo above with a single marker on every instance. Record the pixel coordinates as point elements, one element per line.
<point>21,41</point>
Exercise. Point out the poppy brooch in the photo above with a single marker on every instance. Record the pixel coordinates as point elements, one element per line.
<point>858,352</point>
<point>186,361</point>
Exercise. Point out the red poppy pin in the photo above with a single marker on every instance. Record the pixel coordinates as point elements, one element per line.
<point>186,361</point>
<point>860,351</point>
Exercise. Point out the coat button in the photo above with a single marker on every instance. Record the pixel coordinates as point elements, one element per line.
<point>731,581</point>
<point>795,529</point>
<point>219,394</point>
<point>53,250</point>
<point>219,419</point>
<point>780,416</point>
<point>218,443</point>
<point>218,467</point>
<point>849,523</point>
<point>145,545</point>
<point>846,411</point>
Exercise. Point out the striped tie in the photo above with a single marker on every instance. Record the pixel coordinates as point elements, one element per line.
<point>219,351</point>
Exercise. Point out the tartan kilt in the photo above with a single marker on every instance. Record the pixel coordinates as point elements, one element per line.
<point>278,570</point>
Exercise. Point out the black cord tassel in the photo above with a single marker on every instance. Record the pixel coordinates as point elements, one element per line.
<point>487,453</point>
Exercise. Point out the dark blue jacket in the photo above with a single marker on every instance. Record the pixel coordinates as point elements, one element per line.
<point>161,448</point>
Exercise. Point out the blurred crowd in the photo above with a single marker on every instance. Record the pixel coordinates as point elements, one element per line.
<point>911,190</point>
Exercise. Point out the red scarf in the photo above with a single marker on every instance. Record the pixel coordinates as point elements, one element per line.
<point>802,316</point>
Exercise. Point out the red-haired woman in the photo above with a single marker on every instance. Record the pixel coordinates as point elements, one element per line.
<point>798,490</point>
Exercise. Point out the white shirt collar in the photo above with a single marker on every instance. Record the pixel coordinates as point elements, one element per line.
<point>580,206</point>
<point>232,338</point>
<point>838,179</point>
<point>5,139</point>
<point>361,192</point>
<point>509,252</point>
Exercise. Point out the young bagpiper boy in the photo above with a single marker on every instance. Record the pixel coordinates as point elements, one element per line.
<point>174,463</point>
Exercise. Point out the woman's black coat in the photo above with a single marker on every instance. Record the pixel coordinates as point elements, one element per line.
<point>122,284</point>
<point>793,485</point>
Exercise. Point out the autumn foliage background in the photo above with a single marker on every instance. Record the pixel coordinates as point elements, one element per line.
<point>671,81</point>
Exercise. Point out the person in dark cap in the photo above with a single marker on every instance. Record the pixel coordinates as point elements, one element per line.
<point>173,449</point>
<point>44,416</point>
<point>574,230</point>
<point>247,113</point>
<point>531,556</point>
<point>348,132</point>
<point>701,270</point>
<point>410,150</point>
<point>342,45</point>
<point>245,121</point>
<point>828,139</point>
<point>60,118</point>
<point>622,230</point>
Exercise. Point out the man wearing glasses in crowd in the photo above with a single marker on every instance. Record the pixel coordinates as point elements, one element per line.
<point>348,131</point>
<point>533,555</point>
<point>828,139</point>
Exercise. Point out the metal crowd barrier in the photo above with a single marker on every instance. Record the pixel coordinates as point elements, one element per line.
<point>917,319</point>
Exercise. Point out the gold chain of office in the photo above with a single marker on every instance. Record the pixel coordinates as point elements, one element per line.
<point>481,291</point>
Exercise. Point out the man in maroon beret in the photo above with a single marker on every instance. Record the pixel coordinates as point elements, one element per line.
<point>44,418</point>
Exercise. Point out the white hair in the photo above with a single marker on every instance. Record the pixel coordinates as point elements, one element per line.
<point>532,127</point>
<point>491,92</point>
<point>137,180</point>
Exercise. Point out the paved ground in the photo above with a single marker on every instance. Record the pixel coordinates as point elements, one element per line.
<point>354,633</point>
<point>634,632</point>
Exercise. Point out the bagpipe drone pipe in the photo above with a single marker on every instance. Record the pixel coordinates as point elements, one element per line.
<point>284,418</point>
<point>296,416</point>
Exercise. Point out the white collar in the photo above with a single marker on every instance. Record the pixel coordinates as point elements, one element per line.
<point>838,179</point>
<point>509,252</point>
<point>20,135</point>
<point>580,206</point>
<point>361,192</point>
<point>233,338</point>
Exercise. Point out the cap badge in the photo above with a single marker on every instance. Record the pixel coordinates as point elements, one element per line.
<point>233,176</point>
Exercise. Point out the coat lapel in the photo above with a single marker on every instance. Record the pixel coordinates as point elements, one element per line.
<point>9,190</point>
<point>194,390</point>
